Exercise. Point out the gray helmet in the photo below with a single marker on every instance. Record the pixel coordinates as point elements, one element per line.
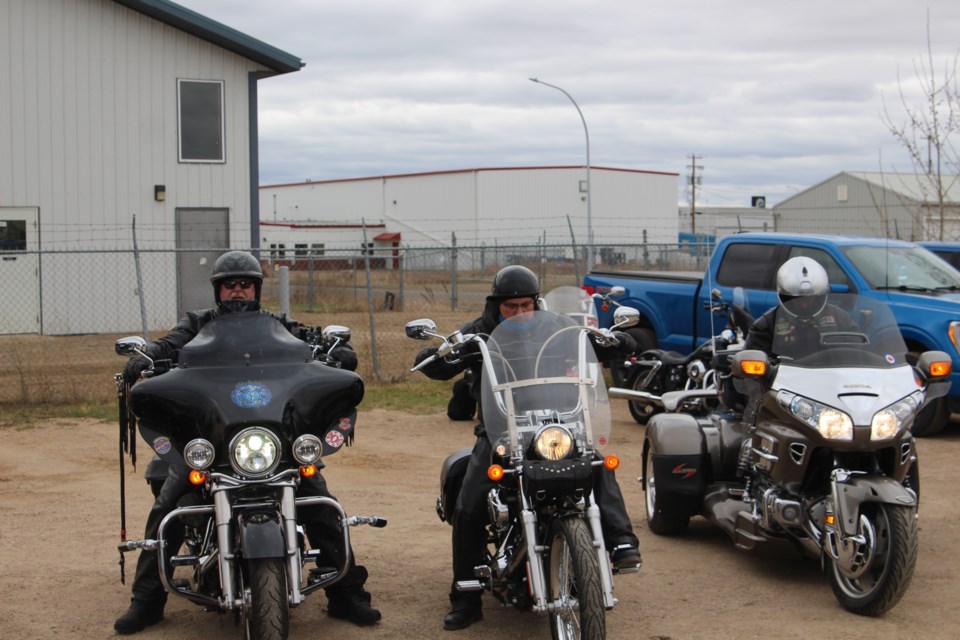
<point>237,265</point>
<point>514,281</point>
<point>802,286</point>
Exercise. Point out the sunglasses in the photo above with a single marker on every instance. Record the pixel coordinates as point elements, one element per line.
<point>517,306</point>
<point>233,284</point>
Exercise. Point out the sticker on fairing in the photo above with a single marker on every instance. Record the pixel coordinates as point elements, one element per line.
<point>250,395</point>
<point>890,359</point>
<point>334,439</point>
<point>162,445</point>
<point>345,424</point>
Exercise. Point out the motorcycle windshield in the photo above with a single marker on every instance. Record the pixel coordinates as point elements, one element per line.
<point>542,370</point>
<point>573,302</point>
<point>245,369</point>
<point>842,330</point>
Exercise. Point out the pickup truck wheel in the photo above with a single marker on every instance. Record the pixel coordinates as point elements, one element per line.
<point>646,339</point>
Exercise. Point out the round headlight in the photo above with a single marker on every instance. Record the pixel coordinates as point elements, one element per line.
<point>199,454</point>
<point>307,449</point>
<point>553,443</point>
<point>255,452</point>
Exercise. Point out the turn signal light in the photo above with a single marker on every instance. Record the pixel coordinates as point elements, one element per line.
<point>754,367</point>
<point>197,477</point>
<point>495,472</point>
<point>940,369</point>
<point>611,462</point>
<point>308,471</point>
<point>829,519</point>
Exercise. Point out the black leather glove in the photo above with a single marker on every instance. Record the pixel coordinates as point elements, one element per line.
<point>628,345</point>
<point>133,369</point>
<point>424,354</point>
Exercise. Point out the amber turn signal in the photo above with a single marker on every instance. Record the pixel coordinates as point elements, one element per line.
<point>829,519</point>
<point>754,367</point>
<point>940,369</point>
<point>197,477</point>
<point>495,472</point>
<point>308,471</point>
<point>611,462</point>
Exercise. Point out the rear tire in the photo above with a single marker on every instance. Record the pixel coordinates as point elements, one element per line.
<point>269,616</point>
<point>658,522</point>
<point>573,582</point>
<point>640,410</point>
<point>891,550</point>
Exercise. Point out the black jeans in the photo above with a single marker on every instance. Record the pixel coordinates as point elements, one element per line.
<point>321,525</point>
<point>470,516</point>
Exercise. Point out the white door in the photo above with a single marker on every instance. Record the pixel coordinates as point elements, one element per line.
<point>20,270</point>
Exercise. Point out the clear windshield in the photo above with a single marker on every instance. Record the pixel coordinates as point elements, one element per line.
<point>544,371</point>
<point>573,302</point>
<point>845,330</point>
<point>910,268</point>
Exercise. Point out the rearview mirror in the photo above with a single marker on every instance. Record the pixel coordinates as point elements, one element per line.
<point>625,317</point>
<point>420,329</point>
<point>130,346</point>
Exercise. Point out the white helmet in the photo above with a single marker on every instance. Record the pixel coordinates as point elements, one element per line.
<point>802,285</point>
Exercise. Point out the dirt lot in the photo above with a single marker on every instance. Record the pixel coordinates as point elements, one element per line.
<point>60,577</point>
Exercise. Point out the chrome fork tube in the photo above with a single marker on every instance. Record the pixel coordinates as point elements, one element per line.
<point>606,573</point>
<point>288,511</point>
<point>534,554</point>
<point>224,516</point>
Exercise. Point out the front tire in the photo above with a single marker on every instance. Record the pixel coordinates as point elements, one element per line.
<point>658,522</point>
<point>573,582</point>
<point>269,615</point>
<point>890,558</point>
<point>640,410</point>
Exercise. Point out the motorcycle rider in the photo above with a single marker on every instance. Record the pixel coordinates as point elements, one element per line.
<point>515,291</point>
<point>237,281</point>
<point>793,328</point>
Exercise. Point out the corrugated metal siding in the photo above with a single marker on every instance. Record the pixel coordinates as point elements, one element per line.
<point>88,124</point>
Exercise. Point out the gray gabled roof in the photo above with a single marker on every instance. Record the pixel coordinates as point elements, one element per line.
<point>914,186</point>
<point>215,33</point>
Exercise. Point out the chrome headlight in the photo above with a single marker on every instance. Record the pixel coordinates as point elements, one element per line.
<point>832,424</point>
<point>199,454</point>
<point>888,421</point>
<point>553,442</point>
<point>255,452</point>
<point>307,449</point>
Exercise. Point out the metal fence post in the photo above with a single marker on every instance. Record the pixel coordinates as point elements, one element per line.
<point>400,269</point>
<point>310,282</point>
<point>453,272</point>
<point>374,353</point>
<point>285,291</point>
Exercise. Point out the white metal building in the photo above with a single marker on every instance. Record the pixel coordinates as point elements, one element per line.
<point>526,205</point>
<point>886,205</point>
<point>113,111</point>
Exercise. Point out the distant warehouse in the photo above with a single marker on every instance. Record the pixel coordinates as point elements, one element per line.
<point>470,207</point>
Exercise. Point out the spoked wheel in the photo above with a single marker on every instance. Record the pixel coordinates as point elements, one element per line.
<point>876,573</point>
<point>573,583</point>
<point>640,410</point>
<point>658,522</point>
<point>268,616</point>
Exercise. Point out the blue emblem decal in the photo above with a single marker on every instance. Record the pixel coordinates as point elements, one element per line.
<point>250,395</point>
<point>162,445</point>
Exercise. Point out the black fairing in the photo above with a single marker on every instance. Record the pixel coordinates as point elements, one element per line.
<point>244,369</point>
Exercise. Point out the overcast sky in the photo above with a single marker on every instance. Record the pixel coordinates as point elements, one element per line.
<point>774,97</point>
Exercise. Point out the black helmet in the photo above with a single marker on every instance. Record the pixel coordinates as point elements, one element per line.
<point>237,265</point>
<point>514,281</point>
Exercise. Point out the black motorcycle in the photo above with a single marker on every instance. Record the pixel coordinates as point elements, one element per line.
<point>250,412</point>
<point>820,461</point>
<point>546,413</point>
<point>654,376</point>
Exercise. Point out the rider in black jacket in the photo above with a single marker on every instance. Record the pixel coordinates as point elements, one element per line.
<point>515,290</point>
<point>237,279</point>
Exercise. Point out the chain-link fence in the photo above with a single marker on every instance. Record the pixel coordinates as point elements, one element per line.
<point>112,293</point>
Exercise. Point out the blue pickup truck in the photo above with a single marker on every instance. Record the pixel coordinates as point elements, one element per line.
<point>922,291</point>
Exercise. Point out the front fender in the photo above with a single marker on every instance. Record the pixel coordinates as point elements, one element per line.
<point>261,535</point>
<point>860,489</point>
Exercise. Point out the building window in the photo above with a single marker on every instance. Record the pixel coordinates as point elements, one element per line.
<point>200,119</point>
<point>278,251</point>
<point>316,249</point>
<point>13,235</point>
<point>300,251</point>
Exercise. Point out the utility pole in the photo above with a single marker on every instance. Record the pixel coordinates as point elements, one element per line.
<point>694,181</point>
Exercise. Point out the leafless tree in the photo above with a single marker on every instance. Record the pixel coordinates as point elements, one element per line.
<point>926,133</point>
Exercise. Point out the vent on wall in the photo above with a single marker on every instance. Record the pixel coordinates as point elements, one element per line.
<point>841,193</point>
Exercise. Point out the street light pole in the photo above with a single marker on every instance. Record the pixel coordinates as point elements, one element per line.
<point>589,190</point>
